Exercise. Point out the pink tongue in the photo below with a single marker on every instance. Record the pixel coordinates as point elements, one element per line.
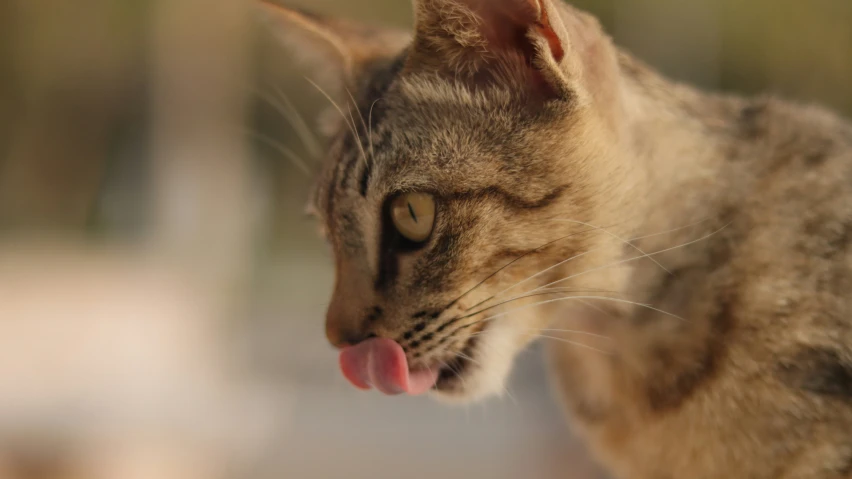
<point>381,363</point>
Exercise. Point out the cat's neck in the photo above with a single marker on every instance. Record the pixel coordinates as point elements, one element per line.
<point>677,185</point>
<point>676,140</point>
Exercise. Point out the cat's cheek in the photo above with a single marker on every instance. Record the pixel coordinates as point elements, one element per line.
<point>495,354</point>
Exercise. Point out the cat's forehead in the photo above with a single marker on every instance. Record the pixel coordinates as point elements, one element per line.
<point>392,99</point>
<point>425,124</point>
<point>421,131</point>
<point>426,102</point>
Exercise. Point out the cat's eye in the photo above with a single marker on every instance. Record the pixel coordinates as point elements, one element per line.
<point>413,215</point>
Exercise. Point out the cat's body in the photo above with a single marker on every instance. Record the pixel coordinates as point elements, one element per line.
<point>706,237</point>
<point>756,381</point>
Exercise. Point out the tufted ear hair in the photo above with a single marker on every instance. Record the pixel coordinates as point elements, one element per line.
<point>542,47</point>
<point>336,52</point>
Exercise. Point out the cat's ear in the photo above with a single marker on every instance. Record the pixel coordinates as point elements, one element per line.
<point>335,51</point>
<point>537,43</point>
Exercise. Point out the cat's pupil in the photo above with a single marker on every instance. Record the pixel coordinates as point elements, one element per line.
<point>411,211</point>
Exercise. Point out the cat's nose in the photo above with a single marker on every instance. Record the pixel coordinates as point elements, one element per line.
<point>349,321</point>
<point>345,340</point>
<point>352,314</point>
<point>341,335</point>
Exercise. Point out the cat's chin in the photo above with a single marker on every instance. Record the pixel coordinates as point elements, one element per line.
<point>484,374</point>
<point>462,394</point>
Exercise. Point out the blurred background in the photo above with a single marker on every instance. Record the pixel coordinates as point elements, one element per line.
<point>161,292</point>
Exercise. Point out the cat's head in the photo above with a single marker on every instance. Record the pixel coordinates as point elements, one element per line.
<point>463,159</point>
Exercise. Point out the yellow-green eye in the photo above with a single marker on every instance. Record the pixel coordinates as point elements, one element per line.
<point>413,215</point>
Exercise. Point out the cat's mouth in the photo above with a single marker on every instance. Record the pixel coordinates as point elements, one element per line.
<point>381,363</point>
<point>453,371</point>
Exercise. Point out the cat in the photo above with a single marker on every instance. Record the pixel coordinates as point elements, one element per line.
<point>505,172</point>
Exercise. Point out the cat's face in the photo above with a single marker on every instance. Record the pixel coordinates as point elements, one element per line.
<point>453,187</point>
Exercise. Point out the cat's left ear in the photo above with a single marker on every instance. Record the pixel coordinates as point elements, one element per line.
<point>337,52</point>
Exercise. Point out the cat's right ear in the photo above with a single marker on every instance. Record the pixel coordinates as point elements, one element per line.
<point>542,47</point>
<point>336,52</point>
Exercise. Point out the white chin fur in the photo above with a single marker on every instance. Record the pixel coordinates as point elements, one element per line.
<point>493,359</point>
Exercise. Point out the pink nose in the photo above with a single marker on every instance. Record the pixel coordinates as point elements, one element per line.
<point>349,319</point>
<point>345,326</point>
<point>337,336</point>
<point>341,338</point>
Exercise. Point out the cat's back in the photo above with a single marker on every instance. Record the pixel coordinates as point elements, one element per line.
<point>779,273</point>
<point>765,339</point>
<point>782,203</point>
<point>791,264</point>
<point>787,146</point>
<point>793,213</point>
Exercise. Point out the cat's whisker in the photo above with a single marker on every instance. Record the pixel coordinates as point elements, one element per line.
<point>555,330</point>
<point>567,298</point>
<point>446,365</point>
<point>300,163</point>
<point>289,113</point>
<point>564,340</point>
<point>574,343</point>
<point>366,130</point>
<point>510,263</point>
<point>456,319</point>
<point>574,331</point>
<point>358,138</point>
<point>515,285</point>
<point>493,374</point>
<point>673,230</point>
<point>534,294</point>
<point>351,125</point>
<point>635,258</point>
<point>619,238</point>
<point>451,335</point>
<point>309,139</point>
<point>595,307</point>
<point>465,356</point>
<point>562,262</point>
<point>370,131</point>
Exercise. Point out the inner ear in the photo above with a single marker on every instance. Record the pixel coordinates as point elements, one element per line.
<point>523,28</point>
<point>546,30</point>
<point>512,25</point>
<point>516,43</point>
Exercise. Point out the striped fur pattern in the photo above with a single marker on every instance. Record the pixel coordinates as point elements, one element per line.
<point>686,254</point>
